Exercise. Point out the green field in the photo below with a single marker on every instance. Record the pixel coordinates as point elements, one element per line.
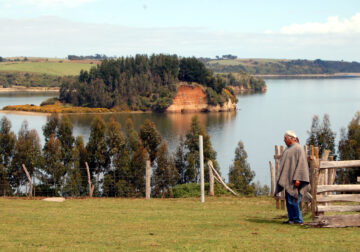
<point>245,62</point>
<point>220,224</point>
<point>50,68</point>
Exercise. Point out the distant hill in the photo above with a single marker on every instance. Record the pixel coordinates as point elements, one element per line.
<point>40,72</point>
<point>280,67</point>
<point>50,67</point>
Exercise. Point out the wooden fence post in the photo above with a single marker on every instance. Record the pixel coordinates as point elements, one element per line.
<point>29,178</point>
<point>202,182</point>
<point>271,178</point>
<point>211,182</point>
<point>325,181</point>
<point>282,149</point>
<point>148,179</point>
<point>219,179</point>
<point>91,187</point>
<point>314,167</point>
<point>276,157</point>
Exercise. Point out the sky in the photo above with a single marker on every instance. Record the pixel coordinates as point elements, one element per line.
<point>317,29</point>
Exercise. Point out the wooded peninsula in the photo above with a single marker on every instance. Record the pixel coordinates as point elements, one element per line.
<point>148,83</point>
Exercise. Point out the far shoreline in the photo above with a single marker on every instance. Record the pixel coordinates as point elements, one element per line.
<point>20,112</point>
<point>334,75</point>
<point>29,89</point>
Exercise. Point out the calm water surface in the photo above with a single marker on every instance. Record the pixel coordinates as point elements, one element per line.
<point>259,122</point>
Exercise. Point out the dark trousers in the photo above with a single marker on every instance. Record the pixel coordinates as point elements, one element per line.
<point>293,208</point>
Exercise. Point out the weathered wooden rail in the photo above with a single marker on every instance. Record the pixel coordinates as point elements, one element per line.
<point>324,194</point>
<point>280,198</point>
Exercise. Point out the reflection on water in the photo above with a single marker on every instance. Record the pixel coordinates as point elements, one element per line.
<point>170,125</point>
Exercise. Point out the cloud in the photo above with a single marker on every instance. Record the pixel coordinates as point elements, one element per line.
<point>332,25</point>
<point>56,37</point>
<point>47,3</point>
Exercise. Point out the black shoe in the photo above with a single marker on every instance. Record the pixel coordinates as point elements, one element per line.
<point>298,223</point>
<point>288,222</point>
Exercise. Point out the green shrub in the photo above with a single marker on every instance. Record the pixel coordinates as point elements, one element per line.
<point>193,190</point>
<point>50,101</point>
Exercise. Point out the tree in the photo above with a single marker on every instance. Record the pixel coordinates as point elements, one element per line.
<point>116,146</point>
<point>165,174</point>
<point>150,138</point>
<point>240,174</point>
<point>65,135</point>
<point>349,149</point>
<point>192,156</point>
<point>51,126</point>
<point>7,145</point>
<point>138,169</point>
<point>193,70</point>
<point>27,151</point>
<point>53,167</point>
<point>131,136</point>
<point>96,149</point>
<point>129,166</point>
<point>321,135</point>
<point>77,183</point>
<point>180,161</point>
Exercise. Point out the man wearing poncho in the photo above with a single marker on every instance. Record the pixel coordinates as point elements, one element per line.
<point>293,177</point>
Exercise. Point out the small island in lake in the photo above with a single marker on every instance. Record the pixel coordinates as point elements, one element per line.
<point>159,83</point>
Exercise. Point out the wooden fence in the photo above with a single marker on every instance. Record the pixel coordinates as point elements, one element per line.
<point>325,178</point>
<point>324,194</point>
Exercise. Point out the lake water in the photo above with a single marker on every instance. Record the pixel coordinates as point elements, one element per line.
<point>260,120</point>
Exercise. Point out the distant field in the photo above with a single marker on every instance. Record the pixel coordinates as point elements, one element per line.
<point>50,67</point>
<point>244,62</point>
<point>107,224</point>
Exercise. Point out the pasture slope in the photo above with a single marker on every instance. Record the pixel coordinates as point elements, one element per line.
<point>109,224</point>
<point>57,68</point>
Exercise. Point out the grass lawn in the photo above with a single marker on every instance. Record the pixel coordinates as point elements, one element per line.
<point>220,224</point>
<point>51,68</point>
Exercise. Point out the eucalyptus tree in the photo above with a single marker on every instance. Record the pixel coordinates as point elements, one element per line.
<point>138,169</point>
<point>28,152</point>
<point>349,149</point>
<point>96,148</point>
<point>150,138</point>
<point>165,174</point>
<point>77,182</point>
<point>116,148</point>
<point>7,145</point>
<point>51,126</point>
<point>65,135</point>
<point>54,170</point>
<point>180,161</point>
<point>192,156</point>
<point>321,135</point>
<point>240,173</point>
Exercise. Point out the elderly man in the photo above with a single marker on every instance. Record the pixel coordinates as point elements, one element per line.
<point>293,177</point>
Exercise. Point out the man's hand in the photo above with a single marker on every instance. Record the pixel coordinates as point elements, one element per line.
<point>297,183</point>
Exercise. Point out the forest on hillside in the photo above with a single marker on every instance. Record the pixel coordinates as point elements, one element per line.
<point>282,67</point>
<point>141,83</point>
<point>26,79</point>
